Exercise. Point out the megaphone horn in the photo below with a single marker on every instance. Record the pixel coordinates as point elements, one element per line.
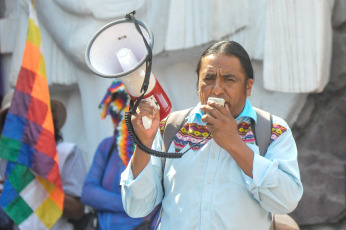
<point>117,51</point>
<point>122,49</point>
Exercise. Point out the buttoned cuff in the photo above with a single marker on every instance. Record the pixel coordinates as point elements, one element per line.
<point>264,175</point>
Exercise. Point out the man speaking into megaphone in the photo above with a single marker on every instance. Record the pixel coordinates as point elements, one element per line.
<point>226,164</point>
<point>226,179</point>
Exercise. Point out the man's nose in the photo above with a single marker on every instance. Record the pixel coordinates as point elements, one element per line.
<point>218,86</point>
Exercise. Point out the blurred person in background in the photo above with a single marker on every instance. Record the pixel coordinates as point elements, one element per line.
<point>101,188</point>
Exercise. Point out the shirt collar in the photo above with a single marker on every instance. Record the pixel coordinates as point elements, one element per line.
<point>248,111</point>
<point>196,113</point>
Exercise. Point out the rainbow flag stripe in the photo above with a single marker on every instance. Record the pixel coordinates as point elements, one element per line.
<point>33,195</point>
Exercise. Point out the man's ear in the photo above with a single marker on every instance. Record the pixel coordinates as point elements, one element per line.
<point>249,84</point>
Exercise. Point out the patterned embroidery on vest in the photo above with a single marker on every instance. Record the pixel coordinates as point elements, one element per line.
<point>191,134</point>
<point>162,126</point>
<point>277,130</point>
<point>245,132</point>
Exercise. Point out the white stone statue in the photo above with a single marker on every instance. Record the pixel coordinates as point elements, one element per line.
<point>182,30</point>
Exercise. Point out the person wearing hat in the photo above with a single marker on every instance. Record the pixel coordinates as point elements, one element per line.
<point>72,170</point>
<point>71,164</point>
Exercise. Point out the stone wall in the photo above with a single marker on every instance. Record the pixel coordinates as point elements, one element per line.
<point>321,139</point>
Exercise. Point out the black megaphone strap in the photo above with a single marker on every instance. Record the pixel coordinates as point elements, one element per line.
<point>133,105</point>
<point>148,63</point>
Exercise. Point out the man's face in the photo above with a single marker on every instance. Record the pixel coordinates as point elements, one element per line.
<point>223,76</point>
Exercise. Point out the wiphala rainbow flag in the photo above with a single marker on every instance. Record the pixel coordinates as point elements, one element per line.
<point>32,196</point>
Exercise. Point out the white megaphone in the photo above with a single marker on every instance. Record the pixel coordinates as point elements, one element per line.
<point>119,50</point>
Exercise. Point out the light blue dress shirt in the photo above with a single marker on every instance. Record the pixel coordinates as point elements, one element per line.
<point>206,189</point>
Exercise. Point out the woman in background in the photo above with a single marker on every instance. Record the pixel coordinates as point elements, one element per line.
<point>101,188</point>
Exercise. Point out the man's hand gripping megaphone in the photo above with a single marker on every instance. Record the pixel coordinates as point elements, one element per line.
<point>145,111</point>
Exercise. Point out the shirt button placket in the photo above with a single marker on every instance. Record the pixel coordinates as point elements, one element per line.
<point>208,187</point>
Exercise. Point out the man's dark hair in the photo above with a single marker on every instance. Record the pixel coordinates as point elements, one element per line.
<point>230,48</point>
